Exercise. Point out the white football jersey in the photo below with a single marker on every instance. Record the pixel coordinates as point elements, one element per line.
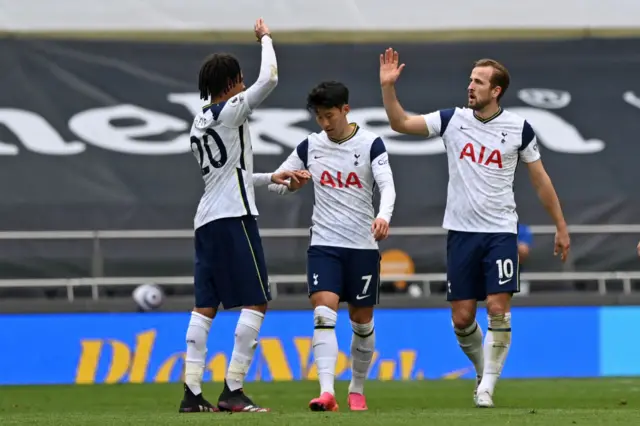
<point>344,176</point>
<point>221,143</point>
<point>482,157</point>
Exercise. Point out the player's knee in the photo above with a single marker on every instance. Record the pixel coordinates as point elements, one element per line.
<point>258,308</point>
<point>463,318</point>
<point>498,304</point>
<point>325,298</point>
<point>207,312</point>
<point>361,315</point>
<point>324,317</point>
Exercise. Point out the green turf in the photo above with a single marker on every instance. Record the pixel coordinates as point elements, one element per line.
<point>430,403</point>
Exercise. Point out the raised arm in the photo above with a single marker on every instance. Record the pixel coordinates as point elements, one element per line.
<point>399,120</point>
<point>268,77</point>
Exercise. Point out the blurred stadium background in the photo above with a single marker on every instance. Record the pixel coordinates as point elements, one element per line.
<point>99,185</point>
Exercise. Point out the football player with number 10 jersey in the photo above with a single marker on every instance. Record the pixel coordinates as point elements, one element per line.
<point>484,144</point>
<point>346,163</point>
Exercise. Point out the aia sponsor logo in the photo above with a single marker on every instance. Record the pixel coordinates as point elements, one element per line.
<point>482,155</point>
<point>340,180</point>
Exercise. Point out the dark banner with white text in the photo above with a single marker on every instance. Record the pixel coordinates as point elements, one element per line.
<point>94,136</point>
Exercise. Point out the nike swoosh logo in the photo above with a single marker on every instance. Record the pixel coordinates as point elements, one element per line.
<point>360,296</point>
<point>503,282</point>
<point>317,156</point>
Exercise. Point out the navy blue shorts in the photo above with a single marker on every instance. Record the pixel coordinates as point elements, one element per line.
<point>352,274</point>
<point>479,264</point>
<point>230,266</point>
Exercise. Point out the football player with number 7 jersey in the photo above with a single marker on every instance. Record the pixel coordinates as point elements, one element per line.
<point>346,163</point>
<point>229,265</point>
<point>484,144</point>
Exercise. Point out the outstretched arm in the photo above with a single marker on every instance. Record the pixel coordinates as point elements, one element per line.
<point>296,161</point>
<point>281,181</point>
<point>262,179</point>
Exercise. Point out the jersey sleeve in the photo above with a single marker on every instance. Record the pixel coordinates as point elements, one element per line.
<point>529,151</point>
<point>437,122</point>
<point>240,106</point>
<point>383,177</point>
<point>297,160</point>
<point>262,179</point>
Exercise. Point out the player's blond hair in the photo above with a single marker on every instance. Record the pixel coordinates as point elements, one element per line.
<point>500,76</point>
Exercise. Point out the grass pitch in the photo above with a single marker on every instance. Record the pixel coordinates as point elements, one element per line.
<point>434,403</point>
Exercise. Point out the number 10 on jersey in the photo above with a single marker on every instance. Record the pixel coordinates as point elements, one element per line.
<point>505,270</point>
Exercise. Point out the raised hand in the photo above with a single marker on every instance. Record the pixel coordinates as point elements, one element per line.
<point>390,67</point>
<point>261,29</point>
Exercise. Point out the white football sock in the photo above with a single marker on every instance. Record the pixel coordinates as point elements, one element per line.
<point>496,348</point>
<point>470,341</point>
<point>197,336</point>
<point>363,341</point>
<point>246,341</point>
<point>325,346</point>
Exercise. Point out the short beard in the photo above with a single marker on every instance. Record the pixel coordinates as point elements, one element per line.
<point>478,105</point>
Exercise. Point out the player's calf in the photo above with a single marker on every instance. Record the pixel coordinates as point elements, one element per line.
<point>497,342</point>
<point>233,398</point>
<point>246,341</point>
<point>362,349</point>
<point>325,347</point>
<point>469,334</point>
<point>197,335</point>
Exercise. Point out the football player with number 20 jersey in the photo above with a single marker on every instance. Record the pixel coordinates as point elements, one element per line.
<point>484,144</point>
<point>229,267</point>
<point>346,163</point>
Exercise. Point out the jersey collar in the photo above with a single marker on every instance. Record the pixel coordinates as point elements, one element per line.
<point>351,135</point>
<point>215,109</point>
<point>488,119</point>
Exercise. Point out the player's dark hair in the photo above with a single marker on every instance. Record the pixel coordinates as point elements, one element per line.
<point>500,76</point>
<point>328,94</point>
<point>219,73</point>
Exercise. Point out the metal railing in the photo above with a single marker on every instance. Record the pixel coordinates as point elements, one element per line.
<point>402,231</point>
<point>424,279</point>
